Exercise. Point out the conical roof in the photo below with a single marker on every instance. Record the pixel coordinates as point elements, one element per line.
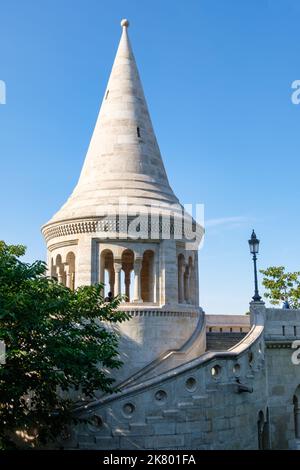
<point>123,158</point>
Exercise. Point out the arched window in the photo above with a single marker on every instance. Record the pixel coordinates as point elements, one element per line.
<point>70,270</point>
<point>186,284</point>
<point>127,271</point>
<point>60,273</point>
<point>148,276</point>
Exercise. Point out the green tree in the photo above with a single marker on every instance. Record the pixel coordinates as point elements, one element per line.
<point>55,342</point>
<point>281,285</point>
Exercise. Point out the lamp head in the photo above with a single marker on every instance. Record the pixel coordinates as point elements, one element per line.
<point>253,244</point>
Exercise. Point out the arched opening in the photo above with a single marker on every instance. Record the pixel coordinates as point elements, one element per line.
<point>148,276</point>
<point>106,289</point>
<point>296,403</point>
<point>191,296</point>
<point>107,272</point>
<point>126,275</point>
<point>186,284</point>
<point>70,270</point>
<point>181,267</point>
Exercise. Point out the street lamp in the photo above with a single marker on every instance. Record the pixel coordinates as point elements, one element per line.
<point>254,247</point>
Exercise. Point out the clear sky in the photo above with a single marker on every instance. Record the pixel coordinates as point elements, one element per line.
<point>217,76</point>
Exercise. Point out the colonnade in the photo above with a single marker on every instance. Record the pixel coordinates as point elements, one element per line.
<point>142,268</point>
<point>64,272</point>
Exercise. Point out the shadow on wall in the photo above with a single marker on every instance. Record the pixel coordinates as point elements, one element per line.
<point>150,334</point>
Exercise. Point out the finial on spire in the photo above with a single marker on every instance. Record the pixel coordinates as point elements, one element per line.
<point>124,23</point>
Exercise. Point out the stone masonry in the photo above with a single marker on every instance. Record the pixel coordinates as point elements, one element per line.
<point>189,381</point>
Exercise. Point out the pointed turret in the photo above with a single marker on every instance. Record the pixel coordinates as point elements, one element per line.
<point>123,227</point>
<point>123,159</point>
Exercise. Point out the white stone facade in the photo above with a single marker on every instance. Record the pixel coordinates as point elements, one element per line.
<point>243,398</point>
<point>121,225</point>
<point>174,393</point>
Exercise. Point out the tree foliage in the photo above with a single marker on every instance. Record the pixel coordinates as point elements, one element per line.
<point>55,342</point>
<point>281,285</point>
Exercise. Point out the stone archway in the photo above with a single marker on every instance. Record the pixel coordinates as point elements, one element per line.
<point>147,277</point>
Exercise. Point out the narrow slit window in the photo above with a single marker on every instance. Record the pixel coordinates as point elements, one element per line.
<point>107,93</point>
<point>138,132</point>
<point>283,330</point>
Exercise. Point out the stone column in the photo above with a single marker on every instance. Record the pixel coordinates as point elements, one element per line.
<point>111,280</point>
<point>168,272</point>
<point>192,286</point>
<point>117,268</point>
<point>153,280</point>
<point>68,277</point>
<point>127,285</point>
<point>84,264</point>
<point>137,280</point>
<point>58,275</point>
<point>185,281</point>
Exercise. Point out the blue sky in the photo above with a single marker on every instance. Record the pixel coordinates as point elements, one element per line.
<point>217,76</point>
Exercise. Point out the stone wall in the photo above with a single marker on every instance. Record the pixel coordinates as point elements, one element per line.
<point>211,402</point>
<point>282,329</point>
<point>243,398</point>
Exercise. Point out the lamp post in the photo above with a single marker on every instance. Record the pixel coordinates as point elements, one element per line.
<point>254,247</point>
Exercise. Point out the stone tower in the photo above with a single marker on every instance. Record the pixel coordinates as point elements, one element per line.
<point>123,225</point>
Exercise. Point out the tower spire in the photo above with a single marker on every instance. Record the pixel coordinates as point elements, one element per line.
<point>123,158</point>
